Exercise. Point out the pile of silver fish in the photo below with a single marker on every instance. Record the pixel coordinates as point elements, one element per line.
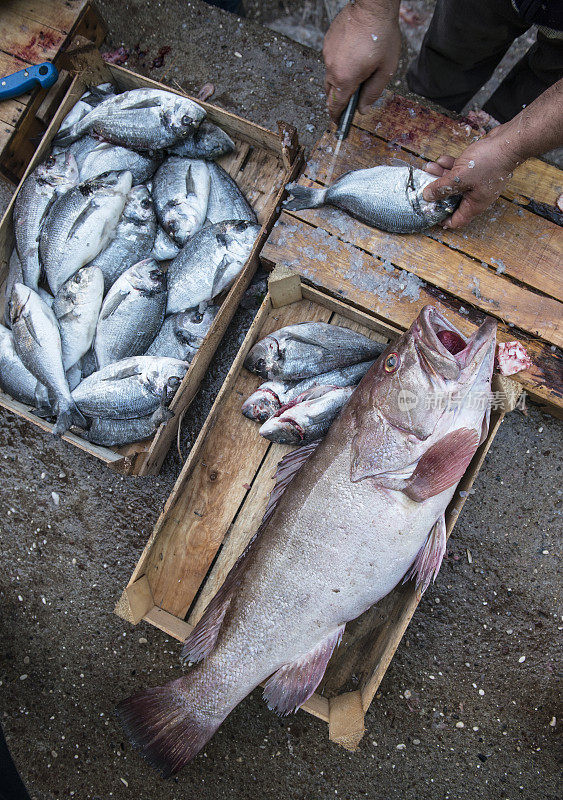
<point>126,236</point>
<point>311,370</point>
<point>387,197</point>
<point>349,519</point>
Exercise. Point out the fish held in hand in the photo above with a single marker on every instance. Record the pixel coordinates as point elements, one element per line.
<point>307,349</point>
<point>80,224</point>
<point>38,343</point>
<point>374,492</point>
<point>180,190</point>
<point>209,262</point>
<point>181,335</point>
<point>128,389</point>
<point>131,314</point>
<point>39,191</point>
<point>272,395</point>
<point>308,417</point>
<point>143,119</point>
<point>208,142</point>
<point>134,237</point>
<point>389,198</point>
<point>76,308</point>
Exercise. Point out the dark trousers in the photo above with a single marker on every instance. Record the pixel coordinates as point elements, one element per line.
<point>11,787</point>
<point>463,45</point>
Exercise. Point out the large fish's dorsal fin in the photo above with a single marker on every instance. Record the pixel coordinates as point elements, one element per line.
<point>203,638</point>
<point>287,469</point>
<point>429,559</point>
<point>294,683</point>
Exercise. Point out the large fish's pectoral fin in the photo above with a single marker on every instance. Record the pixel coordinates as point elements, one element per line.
<point>429,559</point>
<point>442,465</point>
<point>294,683</point>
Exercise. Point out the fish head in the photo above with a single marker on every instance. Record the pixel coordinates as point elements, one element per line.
<point>147,277</point>
<point>139,209</point>
<point>264,357</point>
<point>238,236</point>
<point>417,386</point>
<point>431,362</point>
<point>60,171</point>
<point>182,220</point>
<point>433,211</point>
<point>192,326</point>
<point>86,282</point>
<point>160,371</point>
<point>261,405</point>
<point>284,429</point>
<point>182,116</point>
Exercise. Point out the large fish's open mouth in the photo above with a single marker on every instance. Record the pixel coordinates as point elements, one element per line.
<point>439,335</point>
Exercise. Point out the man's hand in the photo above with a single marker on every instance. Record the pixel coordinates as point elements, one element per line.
<point>362,45</point>
<point>479,174</point>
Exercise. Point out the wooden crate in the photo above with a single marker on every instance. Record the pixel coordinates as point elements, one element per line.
<point>32,32</point>
<point>262,163</point>
<point>218,502</point>
<point>507,263</point>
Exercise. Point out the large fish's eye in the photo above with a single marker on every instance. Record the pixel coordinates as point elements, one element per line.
<point>187,120</point>
<point>391,363</point>
<point>146,203</point>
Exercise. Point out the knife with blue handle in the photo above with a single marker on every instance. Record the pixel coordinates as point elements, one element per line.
<point>43,75</point>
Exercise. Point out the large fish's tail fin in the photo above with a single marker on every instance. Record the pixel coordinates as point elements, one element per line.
<point>161,724</point>
<point>68,415</point>
<point>304,197</point>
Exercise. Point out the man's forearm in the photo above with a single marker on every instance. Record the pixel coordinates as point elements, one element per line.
<point>379,8</point>
<point>538,127</point>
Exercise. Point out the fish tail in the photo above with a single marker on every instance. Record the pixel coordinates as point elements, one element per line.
<point>165,724</point>
<point>68,415</point>
<point>304,197</point>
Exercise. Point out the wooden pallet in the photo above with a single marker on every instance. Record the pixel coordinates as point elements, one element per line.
<point>218,502</point>
<point>507,263</point>
<point>262,163</point>
<point>32,31</point>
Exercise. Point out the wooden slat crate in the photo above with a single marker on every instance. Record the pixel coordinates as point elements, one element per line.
<point>262,163</point>
<point>507,263</point>
<point>220,497</point>
<point>32,31</point>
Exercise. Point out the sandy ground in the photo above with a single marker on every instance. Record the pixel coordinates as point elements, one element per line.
<point>468,707</point>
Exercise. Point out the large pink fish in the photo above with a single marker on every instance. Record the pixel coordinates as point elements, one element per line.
<point>349,518</point>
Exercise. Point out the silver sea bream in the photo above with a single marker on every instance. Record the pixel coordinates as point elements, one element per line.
<point>387,197</point>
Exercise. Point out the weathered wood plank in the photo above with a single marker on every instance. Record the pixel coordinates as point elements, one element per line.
<point>431,134</point>
<point>449,270</point>
<point>360,278</point>
<point>198,520</point>
<point>529,247</point>
<point>28,40</point>
<point>61,16</point>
